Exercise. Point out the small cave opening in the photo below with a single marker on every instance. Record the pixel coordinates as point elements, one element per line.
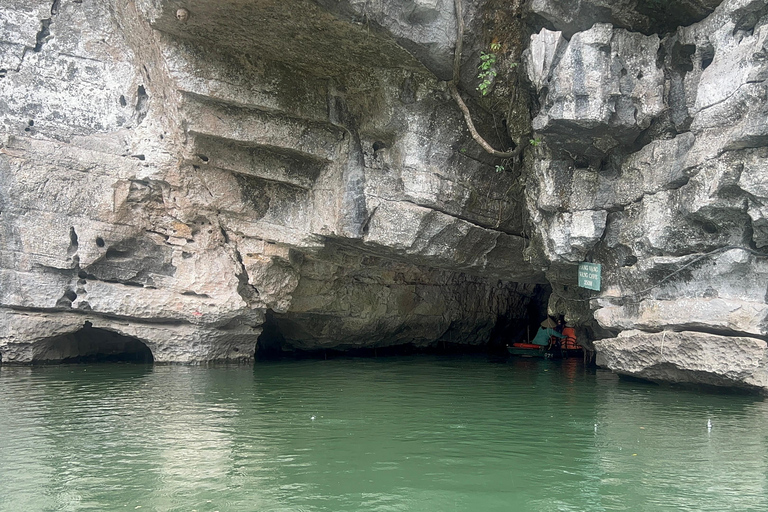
<point>270,343</point>
<point>521,326</point>
<point>142,104</point>
<point>92,345</point>
<point>707,57</point>
<point>682,56</point>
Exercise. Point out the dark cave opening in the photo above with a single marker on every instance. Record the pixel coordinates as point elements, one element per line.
<point>283,334</point>
<point>92,345</point>
<point>271,341</point>
<point>272,345</point>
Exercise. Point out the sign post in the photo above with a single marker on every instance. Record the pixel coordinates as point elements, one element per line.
<point>589,275</point>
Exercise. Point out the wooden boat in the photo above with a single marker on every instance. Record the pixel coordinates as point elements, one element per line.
<point>558,348</point>
<point>527,350</point>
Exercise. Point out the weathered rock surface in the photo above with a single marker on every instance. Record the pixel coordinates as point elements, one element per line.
<point>185,174</point>
<point>655,142</point>
<point>688,357</point>
<point>173,172</point>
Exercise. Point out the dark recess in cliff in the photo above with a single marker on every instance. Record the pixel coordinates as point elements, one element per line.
<point>91,345</point>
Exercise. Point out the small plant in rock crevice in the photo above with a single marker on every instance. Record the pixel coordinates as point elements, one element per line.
<point>487,74</point>
<point>487,69</point>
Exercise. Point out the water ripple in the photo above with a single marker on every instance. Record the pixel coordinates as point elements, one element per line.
<point>390,434</point>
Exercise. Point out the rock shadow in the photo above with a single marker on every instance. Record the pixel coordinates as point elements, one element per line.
<point>92,345</point>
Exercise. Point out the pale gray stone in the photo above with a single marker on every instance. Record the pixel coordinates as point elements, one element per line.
<point>604,83</point>
<point>172,173</point>
<point>688,358</point>
<point>679,188</point>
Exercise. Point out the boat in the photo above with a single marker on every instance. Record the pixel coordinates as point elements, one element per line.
<point>527,350</point>
<point>557,348</point>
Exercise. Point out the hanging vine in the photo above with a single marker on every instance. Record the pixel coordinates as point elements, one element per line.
<point>453,88</point>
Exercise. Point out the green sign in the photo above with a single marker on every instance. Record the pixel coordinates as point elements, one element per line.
<point>589,275</point>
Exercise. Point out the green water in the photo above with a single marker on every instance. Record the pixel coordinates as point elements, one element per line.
<point>388,434</point>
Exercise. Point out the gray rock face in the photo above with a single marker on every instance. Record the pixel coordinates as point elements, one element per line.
<point>659,149</point>
<point>647,17</point>
<point>181,175</point>
<point>603,85</point>
<point>688,357</point>
<point>171,173</point>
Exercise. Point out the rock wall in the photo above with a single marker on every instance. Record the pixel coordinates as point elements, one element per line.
<point>179,172</point>
<point>653,165</point>
<point>173,172</point>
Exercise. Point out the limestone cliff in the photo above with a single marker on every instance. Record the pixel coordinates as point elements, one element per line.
<point>179,171</point>
<point>174,171</point>
<point>654,167</point>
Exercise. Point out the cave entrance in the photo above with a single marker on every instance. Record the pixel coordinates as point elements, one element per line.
<point>519,324</point>
<point>92,345</point>
<point>271,340</point>
<point>510,316</point>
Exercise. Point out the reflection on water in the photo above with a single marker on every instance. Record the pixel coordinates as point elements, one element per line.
<point>389,434</point>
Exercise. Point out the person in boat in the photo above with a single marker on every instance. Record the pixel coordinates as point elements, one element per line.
<point>545,333</point>
<point>570,343</point>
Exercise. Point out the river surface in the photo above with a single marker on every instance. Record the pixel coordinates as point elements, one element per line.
<point>390,434</point>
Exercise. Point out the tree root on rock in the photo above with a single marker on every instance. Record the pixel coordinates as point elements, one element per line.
<point>453,88</point>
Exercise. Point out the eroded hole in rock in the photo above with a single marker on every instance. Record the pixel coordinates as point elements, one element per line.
<point>99,241</point>
<point>91,345</point>
<point>707,56</point>
<point>115,254</point>
<point>72,249</point>
<point>66,299</point>
<point>709,227</point>
<point>195,294</point>
<point>122,101</point>
<point>3,72</point>
<point>682,56</point>
<point>43,34</point>
<point>629,261</point>
<point>581,163</point>
<point>142,104</point>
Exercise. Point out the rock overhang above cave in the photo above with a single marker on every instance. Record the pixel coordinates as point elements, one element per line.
<point>301,34</point>
<point>644,16</point>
